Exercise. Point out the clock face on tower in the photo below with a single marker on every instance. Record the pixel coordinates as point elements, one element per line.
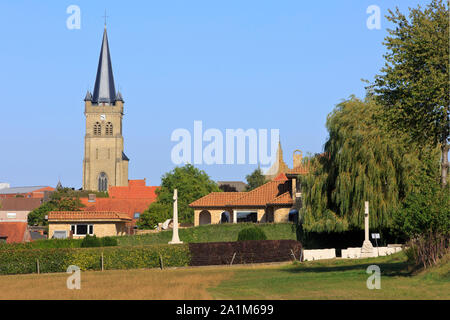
<point>102,117</point>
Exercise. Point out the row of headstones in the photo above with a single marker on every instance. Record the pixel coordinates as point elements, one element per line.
<point>349,253</point>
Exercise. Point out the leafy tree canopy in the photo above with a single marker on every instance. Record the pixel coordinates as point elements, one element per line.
<point>414,84</point>
<point>191,184</point>
<point>64,199</point>
<point>361,163</point>
<point>255,179</point>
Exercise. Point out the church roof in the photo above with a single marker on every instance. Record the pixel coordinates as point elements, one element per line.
<point>104,89</point>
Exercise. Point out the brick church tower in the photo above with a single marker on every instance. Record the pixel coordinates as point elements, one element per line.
<point>105,164</point>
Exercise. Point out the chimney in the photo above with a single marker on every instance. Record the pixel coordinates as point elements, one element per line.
<point>91,197</point>
<point>298,157</point>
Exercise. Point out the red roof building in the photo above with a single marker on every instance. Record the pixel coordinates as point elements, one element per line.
<point>271,202</point>
<point>132,200</point>
<point>13,232</point>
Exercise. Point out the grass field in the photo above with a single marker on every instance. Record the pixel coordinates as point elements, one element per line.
<point>331,279</point>
<point>212,233</point>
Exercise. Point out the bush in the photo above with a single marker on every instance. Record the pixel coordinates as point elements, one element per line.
<point>109,242</point>
<point>13,261</point>
<point>91,241</point>
<point>252,233</point>
<point>424,219</point>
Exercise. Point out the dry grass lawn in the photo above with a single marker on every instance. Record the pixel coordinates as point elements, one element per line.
<point>325,279</point>
<point>151,284</point>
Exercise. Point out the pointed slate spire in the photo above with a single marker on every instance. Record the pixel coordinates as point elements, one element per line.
<point>104,89</point>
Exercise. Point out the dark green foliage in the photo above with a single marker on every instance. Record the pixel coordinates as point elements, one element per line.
<point>424,217</point>
<point>255,179</point>
<point>64,199</point>
<point>44,244</point>
<point>191,184</point>
<point>252,233</point>
<point>157,212</point>
<point>109,242</point>
<point>91,241</point>
<point>414,85</point>
<point>57,260</point>
<point>361,163</point>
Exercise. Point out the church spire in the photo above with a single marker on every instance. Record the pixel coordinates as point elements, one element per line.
<point>104,89</point>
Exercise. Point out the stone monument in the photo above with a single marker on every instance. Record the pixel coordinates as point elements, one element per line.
<point>175,237</point>
<point>367,248</point>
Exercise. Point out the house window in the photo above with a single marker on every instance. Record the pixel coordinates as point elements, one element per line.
<point>137,215</point>
<point>82,229</point>
<point>247,216</point>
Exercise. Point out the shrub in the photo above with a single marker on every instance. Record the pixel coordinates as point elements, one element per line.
<point>13,261</point>
<point>109,242</point>
<point>252,233</point>
<point>424,219</point>
<point>91,241</point>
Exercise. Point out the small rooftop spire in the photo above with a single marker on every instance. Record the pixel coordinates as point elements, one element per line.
<point>104,89</point>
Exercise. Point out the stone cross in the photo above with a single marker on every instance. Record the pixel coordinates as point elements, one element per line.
<point>367,247</point>
<point>175,237</point>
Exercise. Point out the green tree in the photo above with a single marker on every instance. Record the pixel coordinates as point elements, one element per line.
<point>361,163</point>
<point>424,217</point>
<point>414,84</point>
<point>64,199</point>
<point>191,184</point>
<point>157,212</point>
<point>255,179</point>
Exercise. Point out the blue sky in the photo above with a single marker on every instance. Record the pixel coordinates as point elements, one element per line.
<point>231,64</point>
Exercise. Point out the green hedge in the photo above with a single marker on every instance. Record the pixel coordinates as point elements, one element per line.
<point>57,260</point>
<point>251,233</point>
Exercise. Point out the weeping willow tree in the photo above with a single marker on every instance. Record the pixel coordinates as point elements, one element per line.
<point>361,162</point>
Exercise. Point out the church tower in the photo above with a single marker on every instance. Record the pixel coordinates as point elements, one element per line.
<point>105,164</point>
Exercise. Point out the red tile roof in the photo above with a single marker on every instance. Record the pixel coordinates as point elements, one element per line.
<point>19,204</point>
<point>128,206</point>
<point>280,177</point>
<point>259,197</point>
<point>217,199</point>
<point>87,215</point>
<point>285,198</point>
<point>133,192</point>
<point>14,231</point>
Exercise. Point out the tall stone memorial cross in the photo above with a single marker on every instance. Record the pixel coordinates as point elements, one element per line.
<point>367,248</point>
<point>175,237</point>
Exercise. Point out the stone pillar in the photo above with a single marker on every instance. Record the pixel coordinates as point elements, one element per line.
<point>367,247</point>
<point>175,237</point>
<point>234,216</point>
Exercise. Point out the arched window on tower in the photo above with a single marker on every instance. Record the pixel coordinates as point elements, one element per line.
<point>109,129</point>
<point>97,129</point>
<point>102,182</point>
